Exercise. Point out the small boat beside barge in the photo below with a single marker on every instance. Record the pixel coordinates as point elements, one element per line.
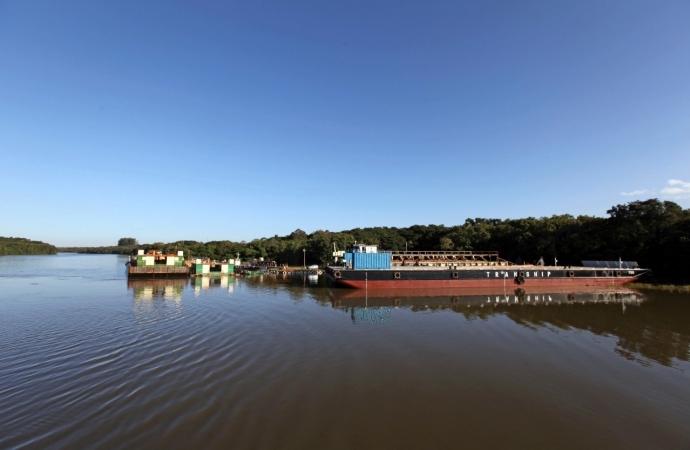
<point>364,267</point>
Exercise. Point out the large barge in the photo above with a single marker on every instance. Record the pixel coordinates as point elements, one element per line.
<point>364,267</point>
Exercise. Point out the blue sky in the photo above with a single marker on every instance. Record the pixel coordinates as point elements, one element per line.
<point>167,120</point>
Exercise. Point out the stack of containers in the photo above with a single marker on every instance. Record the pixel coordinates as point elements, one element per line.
<point>175,260</point>
<point>202,267</point>
<point>145,260</point>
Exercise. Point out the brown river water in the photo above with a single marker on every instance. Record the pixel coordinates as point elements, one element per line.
<point>90,360</point>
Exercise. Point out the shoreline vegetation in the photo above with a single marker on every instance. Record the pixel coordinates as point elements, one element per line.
<point>654,233</point>
<point>23,246</point>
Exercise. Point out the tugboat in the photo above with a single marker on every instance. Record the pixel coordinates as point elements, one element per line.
<point>364,266</point>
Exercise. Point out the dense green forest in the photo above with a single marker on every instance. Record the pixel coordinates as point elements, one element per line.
<point>654,233</point>
<point>22,246</point>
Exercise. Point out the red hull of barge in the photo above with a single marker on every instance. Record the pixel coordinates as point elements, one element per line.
<point>481,283</point>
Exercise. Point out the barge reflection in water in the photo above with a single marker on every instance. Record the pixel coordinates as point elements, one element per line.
<point>148,289</point>
<point>656,332</point>
<point>453,298</point>
<point>653,333</point>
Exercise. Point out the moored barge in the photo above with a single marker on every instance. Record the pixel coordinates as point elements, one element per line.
<point>364,267</point>
<point>155,263</point>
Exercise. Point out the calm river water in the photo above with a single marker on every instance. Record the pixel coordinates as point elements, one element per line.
<point>90,360</point>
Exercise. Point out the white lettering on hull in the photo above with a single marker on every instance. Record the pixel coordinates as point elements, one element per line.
<point>506,274</point>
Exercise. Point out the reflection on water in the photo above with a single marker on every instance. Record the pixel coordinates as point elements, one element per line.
<point>212,282</point>
<point>656,332</point>
<point>455,299</point>
<point>370,315</point>
<point>172,288</point>
<point>153,297</point>
<point>374,307</point>
<point>168,289</point>
<point>653,333</point>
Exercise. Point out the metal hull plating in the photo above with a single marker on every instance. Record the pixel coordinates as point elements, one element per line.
<point>158,271</point>
<point>480,277</point>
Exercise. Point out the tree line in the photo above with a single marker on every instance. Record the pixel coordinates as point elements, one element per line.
<point>654,233</point>
<point>23,246</point>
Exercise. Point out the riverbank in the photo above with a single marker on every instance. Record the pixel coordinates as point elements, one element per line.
<point>23,246</point>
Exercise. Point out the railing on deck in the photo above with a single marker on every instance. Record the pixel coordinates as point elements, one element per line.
<point>472,258</point>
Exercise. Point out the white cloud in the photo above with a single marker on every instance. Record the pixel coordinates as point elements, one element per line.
<point>637,192</point>
<point>676,189</point>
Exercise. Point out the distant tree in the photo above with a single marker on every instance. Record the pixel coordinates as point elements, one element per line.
<point>298,234</point>
<point>446,243</point>
<point>127,241</point>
